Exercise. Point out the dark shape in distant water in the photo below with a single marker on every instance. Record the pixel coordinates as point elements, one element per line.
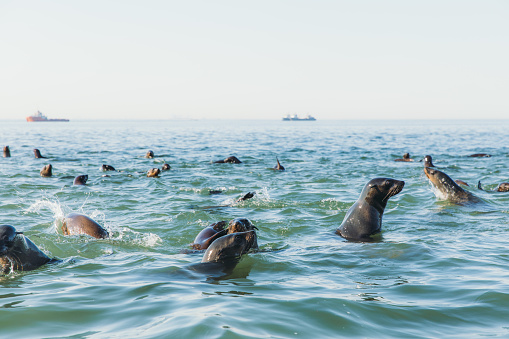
<point>229,160</point>
<point>448,188</point>
<point>7,152</point>
<point>153,173</point>
<point>461,182</point>
<point>105,168</point>
<point>81,180</point>
<point>76,223</point>
<point>247,196</point>
<point>19,253</point>
<point>37,154</point>
<point>406,157</point>
<point>428,161</point>
<point>480,155</point>
<point>215,192</point>
<point>166,167</point>
<point>364,217</point>
<point>278,166</point>
<point>46,171</point>
<point>149,154</point>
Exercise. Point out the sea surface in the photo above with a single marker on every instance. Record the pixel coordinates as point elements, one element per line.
<point>440,270</point>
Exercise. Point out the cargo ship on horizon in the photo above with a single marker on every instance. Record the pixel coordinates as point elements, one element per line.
<point>37,117</point>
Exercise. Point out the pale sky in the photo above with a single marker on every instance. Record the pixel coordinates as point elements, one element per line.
<point>163,59</point>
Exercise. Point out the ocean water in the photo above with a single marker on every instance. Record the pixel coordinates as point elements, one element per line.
<point>439,270</point>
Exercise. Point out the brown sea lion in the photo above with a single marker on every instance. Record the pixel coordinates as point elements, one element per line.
<point>37,154</point>
<point>76,223</point>
<point>149,154</point>
<point>105,168</point>
<point>364,218</point>
<point>229,248</point>
<point>278,166</point>
<point>448,188</point>
<point>166,167</point>
<point>406,157</point>
<point>7,152</point>
<point>428,161</point>
<point>461,182</point>
<point>46,171</point>
<point>18,253</point>
<point>81,180</point>
<point>503,187</point>
<point>229,160</point>
<point>153,173</point>
<point>208,235</point>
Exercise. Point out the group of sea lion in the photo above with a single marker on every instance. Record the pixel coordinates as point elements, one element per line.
<point>361,223</point>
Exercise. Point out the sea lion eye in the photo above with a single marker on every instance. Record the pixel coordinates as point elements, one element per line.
<point>387,183</point>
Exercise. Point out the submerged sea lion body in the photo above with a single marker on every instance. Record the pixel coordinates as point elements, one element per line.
<point>7,152</point>
<point>448,188</point>
<point>480,155</point>
<point>229,160</point>
<point>80,180</point>
<point>406,157</point>
<point>47,171</point>
<point>18,253</point>
<point>76,223</point>
<point>105,168</point>
<point>37,154</point>
<point>364,218</point>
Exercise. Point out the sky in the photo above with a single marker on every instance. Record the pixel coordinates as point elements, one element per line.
<point>263,59</point>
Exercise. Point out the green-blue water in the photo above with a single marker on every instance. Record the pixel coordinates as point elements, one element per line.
<point>440,270</point>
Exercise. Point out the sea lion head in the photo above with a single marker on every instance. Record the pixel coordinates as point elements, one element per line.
<point>7,235</point>
<point>153,173</point>
<point>46,171</point>
<point>81,180</point>
<point>105,168</point>
<point>230,247</point>
<point>441,181</point>
<point>503,187</point>
<point>278,166</point>
<point>378,191</point>
<point>428,162</point>
<point>166,167</point>
<point>149,154</point>
<point>7,152</point>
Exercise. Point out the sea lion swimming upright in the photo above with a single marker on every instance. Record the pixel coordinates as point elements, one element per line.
<point>153,173</point>
<point>428,161</point>
<point>448,188</point>
<point>105,168</point>
<point>18,253</point>
<point>149,155</point>
<point>76,223</point>
<point>278,166</point>
<point>166,167</point>
<point>7,152</point>
<point>37,154</point>
<point>229,248</point>
<point>229,160</point>
<point>46,171</point>
<point>80,180</point>
<point>406,157</point>
<point>364,218</point>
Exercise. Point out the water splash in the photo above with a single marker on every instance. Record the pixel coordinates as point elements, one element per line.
<point>54,206</point>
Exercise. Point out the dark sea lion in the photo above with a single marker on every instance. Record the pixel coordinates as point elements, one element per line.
<point>47,171</point>
<point>480,155</point>
<point>215,192</point>
<point>105,168</point>
<point>18,253</point>
<point>208,235</point>
<point>149,154</point>
<point>37,154</point>
<point>239,225</point>
<point>153,173</point>
<point>406,157</point>
<point>448,188</point>
<point>364,218</point>
<point>166,167</point>
<point>81,180</point>
<point>7,152</point>
<point>503,187</point>
<point>428,161</point>
<point>76,223</point>
<point>461,182</point>
<point>229,247</point>
<point>278,166</point>
<point>229,160</point>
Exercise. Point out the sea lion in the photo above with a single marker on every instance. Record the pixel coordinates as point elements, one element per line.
<point>153,173</point>
<point>208,235</point>
<point>18,253</point>
<point>37,154</point>
<point>479,155</point>
<point>503,187</point>
<point>428,161</point>
<point>7,152</point>
<point>229,160</point>
<point>229,248</point>
<point>76,223</point>
<point>364,218</point>
<point>215,192</point>
<point>166,167</point>
<point>46,171</point>
<point>105,168</point>
<point>149,155</point>
<point>278,166</point>
<point>406,157</point>
<point>448,188</point>
<point>81,180</point>
<point>461,182</point>
<point>239,225</point>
